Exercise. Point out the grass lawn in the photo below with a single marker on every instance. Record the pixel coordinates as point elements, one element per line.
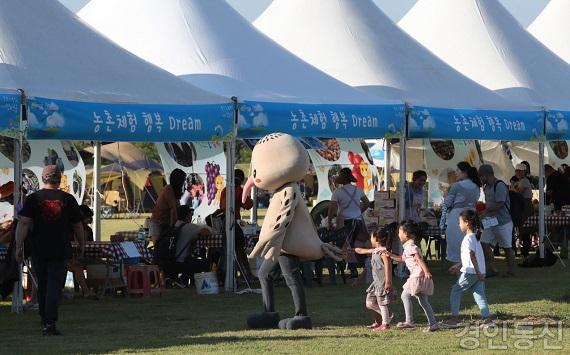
<point>182,322</point>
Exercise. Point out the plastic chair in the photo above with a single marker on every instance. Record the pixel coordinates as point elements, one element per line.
<point>144,280</point>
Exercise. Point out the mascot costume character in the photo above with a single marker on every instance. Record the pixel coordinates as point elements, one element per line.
<point>288,235</point>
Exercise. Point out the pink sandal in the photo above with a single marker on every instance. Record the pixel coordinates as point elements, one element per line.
<point>405,325</point>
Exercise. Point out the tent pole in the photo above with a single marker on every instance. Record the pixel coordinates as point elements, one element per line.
<point>403,168</point>
<point>402,185</point>
<point>387,164</point>
<point>96,196</point>
<point>253,215</point>
<point>230,282</point>
<point>18,291</point>
<point>541,200</point>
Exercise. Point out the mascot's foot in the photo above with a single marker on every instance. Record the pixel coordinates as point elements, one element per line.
<point>264,320</point>
<point>298,322</point>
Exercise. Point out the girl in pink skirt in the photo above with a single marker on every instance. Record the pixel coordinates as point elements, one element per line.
<point>420,283</point>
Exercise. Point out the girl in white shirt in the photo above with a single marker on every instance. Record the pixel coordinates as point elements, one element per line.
<point>471,271</point>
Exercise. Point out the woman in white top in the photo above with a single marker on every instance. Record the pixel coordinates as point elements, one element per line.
<point>348,202</point>
<point>462,195</point>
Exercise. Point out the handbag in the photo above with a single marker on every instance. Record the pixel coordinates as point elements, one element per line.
<point>336,236</point>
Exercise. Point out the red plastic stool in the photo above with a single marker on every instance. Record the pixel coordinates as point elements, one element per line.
<point>144,280</point>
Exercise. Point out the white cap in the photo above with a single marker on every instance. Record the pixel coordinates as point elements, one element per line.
<point>520,167</point>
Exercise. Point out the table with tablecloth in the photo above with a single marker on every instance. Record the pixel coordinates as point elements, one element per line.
<point>555,221</point>
<point>112,250</point>
<point>551,221</point>
<point>216,241</point>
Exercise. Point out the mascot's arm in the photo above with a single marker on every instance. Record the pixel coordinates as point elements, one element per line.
<point>272,235</point>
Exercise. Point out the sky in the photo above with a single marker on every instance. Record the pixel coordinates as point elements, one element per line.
<point>524,10</point>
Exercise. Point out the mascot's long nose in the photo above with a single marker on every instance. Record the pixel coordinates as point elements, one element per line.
<point>247,189</point>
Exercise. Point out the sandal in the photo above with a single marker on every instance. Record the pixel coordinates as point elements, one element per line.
<point>382,328</point>
<point>373,325</point>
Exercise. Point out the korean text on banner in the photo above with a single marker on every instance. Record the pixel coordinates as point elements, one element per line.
<point>440,123</point>
<point>258,119</point>
<point>57,119</point>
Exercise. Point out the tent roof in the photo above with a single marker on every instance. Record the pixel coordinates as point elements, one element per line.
<point>214,47</point>
<point>354,41</point>
<point>481,39</point>
<point>552,27</point>
<point>59,57</point>
<point>80,85</point>
<point>127,155</point>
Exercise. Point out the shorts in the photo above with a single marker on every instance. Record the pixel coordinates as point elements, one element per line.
<point>502,235</point>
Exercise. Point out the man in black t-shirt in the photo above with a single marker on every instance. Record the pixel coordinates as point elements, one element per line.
<point>52,217</point>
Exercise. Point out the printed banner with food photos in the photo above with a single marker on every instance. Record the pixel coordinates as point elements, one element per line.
<point>10,104</point>
<point>557,153</point>
<point>442,157</point>
<point>205,166</point>
<point>35,155</point>
<point>330,155</point>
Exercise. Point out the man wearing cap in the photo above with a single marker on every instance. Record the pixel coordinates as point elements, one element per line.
<point>52,216</point>
<point>496,220</point>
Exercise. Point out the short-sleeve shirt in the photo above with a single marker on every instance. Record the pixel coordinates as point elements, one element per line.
<point>410,251</point>
<point>525,188</point>
<point>496,192</point>
<point>54,213</point>
<point>348,198</point>
<point>468,244</point>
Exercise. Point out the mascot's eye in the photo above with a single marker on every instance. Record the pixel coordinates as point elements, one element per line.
<point>254,174</point>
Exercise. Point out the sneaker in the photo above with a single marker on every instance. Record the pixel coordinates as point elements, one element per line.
<point>373,325</point>
<point>50,330</point>
<point>452,324</point>
<point>382,327</point>
<point>431,328</point>
<point>405,325</point>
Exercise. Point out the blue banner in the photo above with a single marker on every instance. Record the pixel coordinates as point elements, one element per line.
<point>437,123</point>
<point>10,104</point>
<point>557,125</point>
<point>258,119</point>
<point>72,120</point>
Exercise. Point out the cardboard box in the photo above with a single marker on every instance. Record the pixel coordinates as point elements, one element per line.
<point>390,203</point>
<point>388,213</point>
<point>387,220</point>
<point>381,195</point>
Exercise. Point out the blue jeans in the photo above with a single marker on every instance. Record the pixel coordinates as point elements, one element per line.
<point>469,282</point>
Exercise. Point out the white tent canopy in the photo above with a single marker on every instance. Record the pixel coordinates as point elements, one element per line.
<point>552,28</point>
<point>59,58</point>
<point>481,39</point>
<point>357,43</point>
<point>212,46</point>
<point>215,48</point>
